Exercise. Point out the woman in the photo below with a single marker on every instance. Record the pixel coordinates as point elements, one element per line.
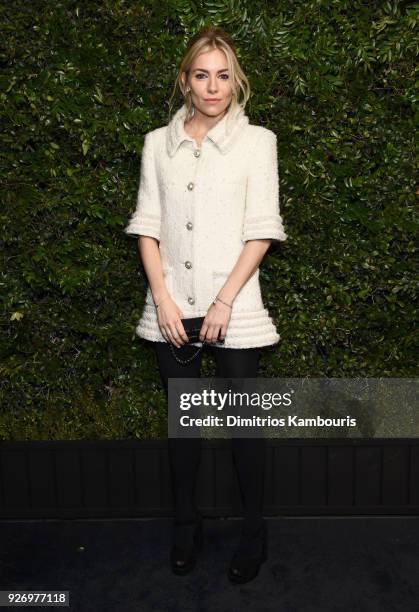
<point>207,211</point>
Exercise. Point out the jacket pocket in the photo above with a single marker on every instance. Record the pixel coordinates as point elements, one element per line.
<point>168,281</point>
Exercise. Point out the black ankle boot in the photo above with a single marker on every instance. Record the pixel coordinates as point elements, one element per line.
<point>187,542</point>
<point>249,556</point>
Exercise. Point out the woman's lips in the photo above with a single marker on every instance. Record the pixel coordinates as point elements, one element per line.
<point>211,101</point>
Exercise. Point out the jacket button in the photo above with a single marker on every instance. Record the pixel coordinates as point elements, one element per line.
<point>190,186</point>
<point>189,225</point>
<point>191,300</point>
<point>197,152</point>
<point>188,264</point>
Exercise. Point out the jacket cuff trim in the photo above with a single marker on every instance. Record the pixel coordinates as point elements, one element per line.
<point>146,225</point>
<point>265,226</point>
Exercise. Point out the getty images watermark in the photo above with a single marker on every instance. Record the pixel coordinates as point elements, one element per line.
<point>293,407</point>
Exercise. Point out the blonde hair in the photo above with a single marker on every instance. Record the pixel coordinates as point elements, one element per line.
<point>207,39</point>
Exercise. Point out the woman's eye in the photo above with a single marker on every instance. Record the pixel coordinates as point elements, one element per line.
<point>201,74</point>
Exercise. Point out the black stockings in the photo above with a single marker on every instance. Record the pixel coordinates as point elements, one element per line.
<point>249,454</point>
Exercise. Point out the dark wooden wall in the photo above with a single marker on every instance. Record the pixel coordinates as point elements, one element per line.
<point>130,478</point>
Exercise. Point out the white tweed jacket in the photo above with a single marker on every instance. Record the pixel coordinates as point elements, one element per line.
<point>202,205</point>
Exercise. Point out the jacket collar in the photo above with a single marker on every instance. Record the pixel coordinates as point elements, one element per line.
<point>224,133</point>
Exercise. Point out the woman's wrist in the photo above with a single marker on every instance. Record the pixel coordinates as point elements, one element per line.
<point>218,299</point>
<point>159,299</point>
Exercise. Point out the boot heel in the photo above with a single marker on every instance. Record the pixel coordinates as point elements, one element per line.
<point>244,566</point>
<point>183,556</point>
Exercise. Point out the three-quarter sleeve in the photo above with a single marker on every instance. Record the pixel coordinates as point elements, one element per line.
<point>262,217</point>
<point>146,219</point>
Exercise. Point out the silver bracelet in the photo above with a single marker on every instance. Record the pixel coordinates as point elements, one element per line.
<point>217,298</point>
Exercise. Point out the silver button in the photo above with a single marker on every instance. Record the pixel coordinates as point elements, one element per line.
<point>197,153</point>
<point>188,264</point>
<point>191,300</point>
<point>190,186</point>
<point>189,225</point>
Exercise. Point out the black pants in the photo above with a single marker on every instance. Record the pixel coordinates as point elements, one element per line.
<point>249,454</point>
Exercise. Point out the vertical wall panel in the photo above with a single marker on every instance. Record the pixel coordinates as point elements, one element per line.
<point>41,467</point>
<point>121,477</point>
<point>368,476</point>
<point>414,476</point>
<point>148,476</point>
<point>16,489</point>
<point>94,471</point>
<point>285,475</point>
<point>395,488</point>
<point>313,476</point>
<point>68,478</point>
<point>340,476</point>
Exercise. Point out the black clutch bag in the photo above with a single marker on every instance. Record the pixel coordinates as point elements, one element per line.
<point>192,327</point>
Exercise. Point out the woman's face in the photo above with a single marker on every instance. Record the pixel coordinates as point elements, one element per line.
<point>209,78</point>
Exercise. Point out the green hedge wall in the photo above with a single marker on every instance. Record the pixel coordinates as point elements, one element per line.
<point>81,85</point>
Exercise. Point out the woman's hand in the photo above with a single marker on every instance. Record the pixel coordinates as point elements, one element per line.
<point>171,327</point>
<point>215,323</point>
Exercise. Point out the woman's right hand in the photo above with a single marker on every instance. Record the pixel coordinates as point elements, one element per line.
<point>171,327</point>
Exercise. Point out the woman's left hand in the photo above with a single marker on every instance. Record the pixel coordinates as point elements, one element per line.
<point>215,323</point>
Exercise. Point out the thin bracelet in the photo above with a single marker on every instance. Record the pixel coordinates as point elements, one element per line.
<point>217,298</point>
<point>165,298</point>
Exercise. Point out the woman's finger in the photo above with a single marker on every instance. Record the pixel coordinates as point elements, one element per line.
<point>175,335</point>
<point>213,334</point>
<point>223,332</point>
<point>181,331</point>
<point>203,332</point>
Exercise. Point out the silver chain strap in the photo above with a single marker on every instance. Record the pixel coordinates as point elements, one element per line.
<point>189,359</point>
